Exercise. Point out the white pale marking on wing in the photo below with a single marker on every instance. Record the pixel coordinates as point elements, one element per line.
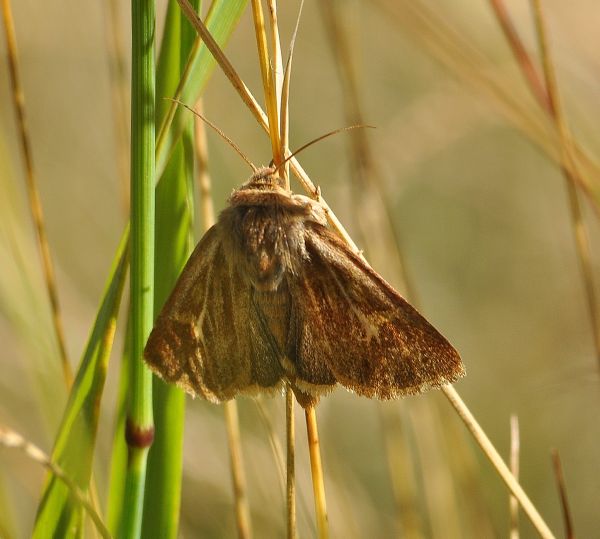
<point>371,329</point>
<point>198,332</point>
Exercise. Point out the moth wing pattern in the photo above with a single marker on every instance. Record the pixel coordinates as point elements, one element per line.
<point>371,339</point>
<point>312,376</point>
<point>205,338</point>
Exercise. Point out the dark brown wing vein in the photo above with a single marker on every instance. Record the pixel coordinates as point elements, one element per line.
<point>370,338</point>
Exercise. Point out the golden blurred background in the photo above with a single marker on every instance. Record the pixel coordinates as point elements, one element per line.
<point>480,211</point>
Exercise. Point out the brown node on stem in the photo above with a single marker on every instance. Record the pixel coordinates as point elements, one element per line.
<point>138,436</point>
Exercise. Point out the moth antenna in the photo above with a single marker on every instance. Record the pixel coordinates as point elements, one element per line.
<point>218,130</point>
<point>318,139</point>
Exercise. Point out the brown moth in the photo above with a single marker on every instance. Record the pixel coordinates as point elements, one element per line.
<point>272,294</point>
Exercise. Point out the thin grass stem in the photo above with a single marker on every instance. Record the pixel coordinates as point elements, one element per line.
<point>35,202</point>
<point>291,462</point>
<point>496,460</point>
<point>515,445</point>
<point>562,490</point>
<point>571,173</point>
<point>530,71</point>
<point>276,87</point>
<point>274,442</point>
<point>284,114</point>
<point>276,48</point>
<point>268,81</point>
<point>547,95</point>
<point>316,470</point>
<point>279,456</point>
<point>173,244</point>
<point>242,511</point>
<point>455,52</point>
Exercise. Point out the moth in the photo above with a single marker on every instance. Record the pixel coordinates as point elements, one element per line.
<point>271,295</point>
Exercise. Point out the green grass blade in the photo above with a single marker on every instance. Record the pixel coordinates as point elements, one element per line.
<point>221,19</point>
<point>173,234</point>
<point>118,460</point>
<point>73,451</point>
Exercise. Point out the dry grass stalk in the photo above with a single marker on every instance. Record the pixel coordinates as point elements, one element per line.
<point>10,438</point>
<point>284,120</point>
<point>496,460</point>
<point>463,59</point>
<point>548,97</point>
<point>35,203</point>
<point>562,489</point>
<point>242,510</point>
<point>570,169</point>
<point>515,444</point>
<point>291,463</point>
<point>268,80</point>
<point>316,469</point>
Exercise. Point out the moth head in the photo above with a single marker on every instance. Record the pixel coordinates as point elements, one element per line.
<point>265,179</point>
<point>263,188</point>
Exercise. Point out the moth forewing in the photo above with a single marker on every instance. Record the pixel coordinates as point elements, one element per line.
<point>205,338</point>
<point>388,348</point>
<point>271,294</point>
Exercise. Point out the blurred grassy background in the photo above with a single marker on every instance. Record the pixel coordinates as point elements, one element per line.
<point>482,215</point>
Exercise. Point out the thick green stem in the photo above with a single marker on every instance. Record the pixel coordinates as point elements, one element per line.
<point>140,428</point>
